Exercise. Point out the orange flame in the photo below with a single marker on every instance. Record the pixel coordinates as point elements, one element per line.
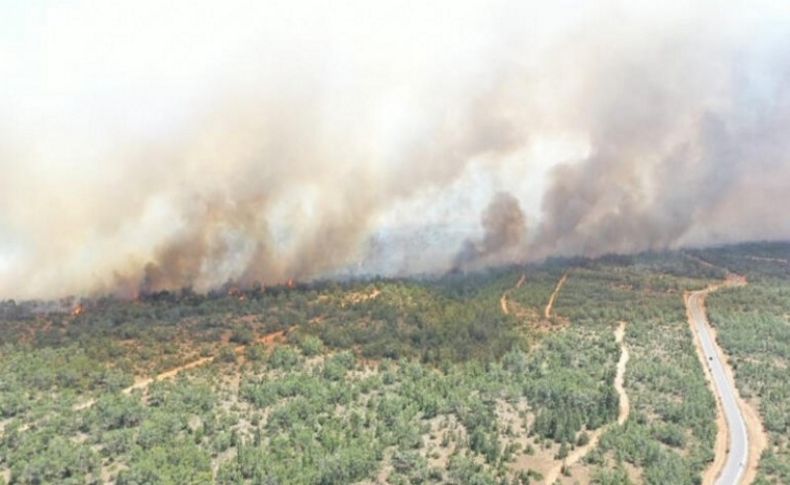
<point>78,310</point>
<point>291,283</point>
<point>237,293</point>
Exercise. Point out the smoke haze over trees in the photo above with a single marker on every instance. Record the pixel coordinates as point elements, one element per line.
<point>504,226</point>
<point>264,142</point>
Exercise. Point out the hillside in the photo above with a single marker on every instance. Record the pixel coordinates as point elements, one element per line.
<point>580,371</point>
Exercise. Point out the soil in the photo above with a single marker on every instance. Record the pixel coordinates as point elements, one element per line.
<point>576,455</point>
<point>550,304</point>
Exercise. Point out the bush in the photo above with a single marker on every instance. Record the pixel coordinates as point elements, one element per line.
<point>311,345</point>
<point>227,354</point>
<point>242,335</point>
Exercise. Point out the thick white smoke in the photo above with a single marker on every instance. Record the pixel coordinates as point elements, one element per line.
<point>145,147</point>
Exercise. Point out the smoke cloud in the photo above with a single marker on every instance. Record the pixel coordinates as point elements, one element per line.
<point>504,226</point>
<point>260,143</point>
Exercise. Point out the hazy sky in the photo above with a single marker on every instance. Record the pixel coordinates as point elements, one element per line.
<point>125,126</point>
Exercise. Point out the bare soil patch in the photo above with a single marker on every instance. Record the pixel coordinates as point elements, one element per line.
<point>553,298</point>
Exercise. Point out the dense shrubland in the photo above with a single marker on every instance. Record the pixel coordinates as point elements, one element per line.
<point>390,380</point>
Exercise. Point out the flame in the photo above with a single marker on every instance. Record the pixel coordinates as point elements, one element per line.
<point>236,292</point>
<point>291,283</point>
<point>78,310</point>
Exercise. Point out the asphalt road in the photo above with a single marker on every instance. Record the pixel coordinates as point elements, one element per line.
<point>737,455</point>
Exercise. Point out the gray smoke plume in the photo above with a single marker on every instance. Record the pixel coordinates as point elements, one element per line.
<point>677,157</point>
<point>309,140</point>
<point>504,226</point>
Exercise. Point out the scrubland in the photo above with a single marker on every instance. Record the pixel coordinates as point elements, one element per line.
<point>397,381</point>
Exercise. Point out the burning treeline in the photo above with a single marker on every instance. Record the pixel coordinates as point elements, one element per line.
<point>678,128</point>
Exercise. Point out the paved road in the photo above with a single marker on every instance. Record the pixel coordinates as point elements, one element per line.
<point>738,439</point>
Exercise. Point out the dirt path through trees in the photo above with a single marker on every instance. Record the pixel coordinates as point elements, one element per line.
<point>619,379</point>
<point>550,304</point>
<point>503,300</point>
<point>143,384</point>
<point>622,415</point>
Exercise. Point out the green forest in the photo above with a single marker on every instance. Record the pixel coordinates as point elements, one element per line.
<point>466,378</point>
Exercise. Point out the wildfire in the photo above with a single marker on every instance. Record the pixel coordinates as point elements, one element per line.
<point>78,310</point>
<point>291,283</point>
<point>235,292</point>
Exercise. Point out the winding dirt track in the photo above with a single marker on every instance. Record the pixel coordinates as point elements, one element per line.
<point>740,438</point>
<point>503,300</point>
<point>550,304</point>
<point>622,415</point>
<point>267,339</point>
<point>169,374</point>
<point>619,379</point>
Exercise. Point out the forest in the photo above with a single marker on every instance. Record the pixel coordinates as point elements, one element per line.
<point>465,378</point>
<point>753,324</point>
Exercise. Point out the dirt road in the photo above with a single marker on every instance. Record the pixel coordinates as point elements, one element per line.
<point>553,297</point>
<point>619,379</point>
<point>168,374</point>
<point>622,416</point>
<point>503,300</point>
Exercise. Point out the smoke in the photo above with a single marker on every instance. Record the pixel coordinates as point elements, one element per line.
<point>260,143</point>
<point>669,166</point>
<point>504,226</point>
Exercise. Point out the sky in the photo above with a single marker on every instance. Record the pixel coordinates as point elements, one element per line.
<point>157,144</point>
